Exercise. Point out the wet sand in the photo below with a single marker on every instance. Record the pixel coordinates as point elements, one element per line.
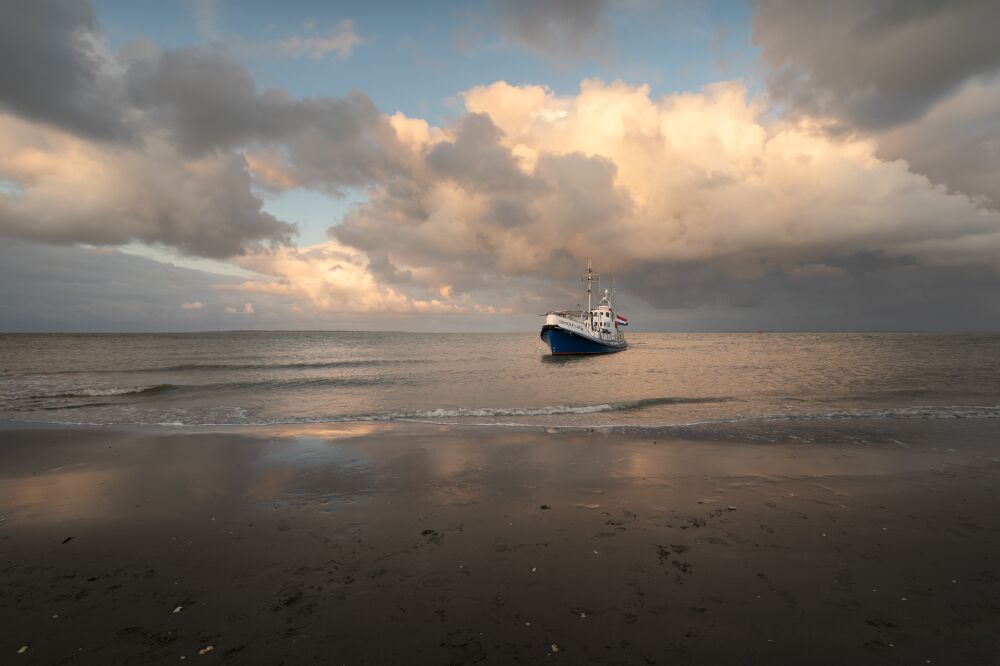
<point>818,543</point>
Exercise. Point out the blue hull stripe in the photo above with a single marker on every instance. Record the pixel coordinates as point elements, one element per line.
<point>564,342</point>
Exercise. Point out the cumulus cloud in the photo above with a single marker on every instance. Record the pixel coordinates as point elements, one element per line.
<point>332,277</point>
<point>194,305</point>
<point>151,145</point>
<point>557,27</point>
<point>71,190</point>
<point>698,184</point>
<point>876,64</point>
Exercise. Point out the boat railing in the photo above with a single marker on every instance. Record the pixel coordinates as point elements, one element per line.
<point>581,317</point>
<point>611,336</point>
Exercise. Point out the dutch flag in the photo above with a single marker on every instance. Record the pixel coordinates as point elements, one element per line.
<point>620,321</point>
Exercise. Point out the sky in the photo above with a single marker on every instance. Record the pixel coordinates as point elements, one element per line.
<point>452,166</point>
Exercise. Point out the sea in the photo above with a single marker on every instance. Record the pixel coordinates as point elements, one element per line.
<point>663,380</point>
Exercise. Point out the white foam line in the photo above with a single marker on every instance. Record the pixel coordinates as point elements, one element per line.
<point>424,417</point>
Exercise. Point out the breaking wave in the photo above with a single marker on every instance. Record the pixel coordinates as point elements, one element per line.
<point>493,416</point>
<point>116,391</point>
<point>112,391</point>
<point>222,367</point>
<point>550,410</point>
<point>360,363</point>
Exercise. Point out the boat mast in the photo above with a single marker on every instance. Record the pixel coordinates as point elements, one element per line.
<point>590,279</point>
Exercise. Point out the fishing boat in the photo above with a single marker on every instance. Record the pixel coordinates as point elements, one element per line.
<point>591,331</point>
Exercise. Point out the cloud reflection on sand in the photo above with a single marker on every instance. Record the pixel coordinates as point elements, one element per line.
<point>326,431</point>
<point>68,494</point>
<point>116,475</point>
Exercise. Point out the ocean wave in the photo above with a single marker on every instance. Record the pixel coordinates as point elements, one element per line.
<point>305,382</point>
<point>425,415</point>
<point>547,410</point>
<point>82,405</point>
<point>107,392</point>
<point>301,382</point>
<point>915,412</point>
<point>528,417</point>
<point>437,415</point>
<point>432,415</point>
<point>222,367</point>
<point>359,363</point>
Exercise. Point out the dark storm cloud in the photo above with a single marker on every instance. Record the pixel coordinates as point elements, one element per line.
<point>867,291</point>
<point>557,27</point>
<point>53,68</point>
<point>874,64</point>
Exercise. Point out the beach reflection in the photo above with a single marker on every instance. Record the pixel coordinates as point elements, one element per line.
<point>272,482</point>
<point>442,465</point>
<point>326,431</point>
<point>123,475</point>
<point>157,476</point>
<point>73,494</point>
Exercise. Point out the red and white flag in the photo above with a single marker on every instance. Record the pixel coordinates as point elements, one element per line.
<point>620,321</point>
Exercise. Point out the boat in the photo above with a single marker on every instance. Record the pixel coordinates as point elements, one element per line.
<point>591,331</point>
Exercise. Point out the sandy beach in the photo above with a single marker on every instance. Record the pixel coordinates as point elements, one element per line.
<point>405,544</point>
